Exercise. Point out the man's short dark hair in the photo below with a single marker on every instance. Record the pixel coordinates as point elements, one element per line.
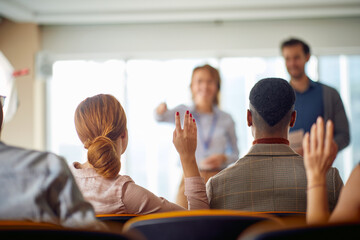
<point>293,42</point>
<point>272,98</point>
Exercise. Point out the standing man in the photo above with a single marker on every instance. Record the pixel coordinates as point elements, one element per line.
<point>313,99</point>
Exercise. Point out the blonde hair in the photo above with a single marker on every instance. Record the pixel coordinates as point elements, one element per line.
<point>216,76</point>
<point>99,121</point>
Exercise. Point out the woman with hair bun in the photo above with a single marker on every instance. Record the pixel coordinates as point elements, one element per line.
<point>100,122</point>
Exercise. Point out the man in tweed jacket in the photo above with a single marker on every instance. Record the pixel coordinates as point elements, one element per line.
<point>271,177</point>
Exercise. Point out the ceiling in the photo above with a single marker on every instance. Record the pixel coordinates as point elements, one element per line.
<point>60,12</point>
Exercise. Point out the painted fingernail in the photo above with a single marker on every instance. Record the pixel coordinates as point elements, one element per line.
<point>177,113</point>
<point>193,119</point>
<point>190,115</point>
<point>187,112</point>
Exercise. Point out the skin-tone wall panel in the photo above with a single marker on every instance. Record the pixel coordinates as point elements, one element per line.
<point>19,42</point>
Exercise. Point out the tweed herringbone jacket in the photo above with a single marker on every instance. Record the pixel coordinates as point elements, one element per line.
<point>271,177</point>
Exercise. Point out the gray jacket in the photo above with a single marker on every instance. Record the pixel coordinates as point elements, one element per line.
<point>39,186</point>
<point>334,110</point>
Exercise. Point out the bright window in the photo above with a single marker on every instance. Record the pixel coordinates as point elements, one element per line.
<point>343,74</point>
<point>152,159</point>
<point>72,82</point>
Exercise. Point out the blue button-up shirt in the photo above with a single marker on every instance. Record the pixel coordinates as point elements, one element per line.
<point>309,105</point>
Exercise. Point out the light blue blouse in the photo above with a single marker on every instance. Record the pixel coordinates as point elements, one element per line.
<point>217,129</point>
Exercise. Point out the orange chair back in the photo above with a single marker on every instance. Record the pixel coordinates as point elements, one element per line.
<point>195,224</point>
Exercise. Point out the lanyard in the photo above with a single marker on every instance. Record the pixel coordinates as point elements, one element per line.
<point>206,142</point>
<point>271,140</point>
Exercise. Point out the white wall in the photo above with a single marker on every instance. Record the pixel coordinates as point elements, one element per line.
<point>243,38</point>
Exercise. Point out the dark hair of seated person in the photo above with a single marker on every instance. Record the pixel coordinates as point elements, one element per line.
<point>271,104</point>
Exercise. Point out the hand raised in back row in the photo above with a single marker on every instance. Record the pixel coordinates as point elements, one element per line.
<point>320,150</point>
<point>185,141</point>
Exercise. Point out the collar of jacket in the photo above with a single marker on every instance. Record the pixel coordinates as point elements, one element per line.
<point>271,150</point>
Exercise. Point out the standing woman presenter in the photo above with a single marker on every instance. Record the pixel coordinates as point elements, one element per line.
<point>217,141</point>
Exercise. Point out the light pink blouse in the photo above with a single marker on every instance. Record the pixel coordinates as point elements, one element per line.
<point>122,195</point>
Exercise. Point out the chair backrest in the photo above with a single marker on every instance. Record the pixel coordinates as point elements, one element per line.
<point>35,230</point>
<point>295,229</point>
<point>196,224</point>
<point>121,218</point>
<point>285,213</point>
<point>330,231</point>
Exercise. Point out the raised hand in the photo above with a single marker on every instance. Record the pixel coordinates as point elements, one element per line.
<point>185,141</point>
<point>319,152</point>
